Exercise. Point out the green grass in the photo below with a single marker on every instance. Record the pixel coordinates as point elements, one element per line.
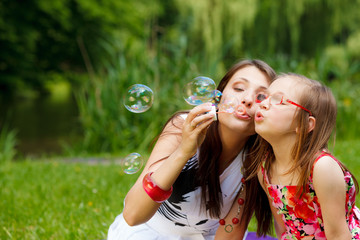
<point>55,199</point>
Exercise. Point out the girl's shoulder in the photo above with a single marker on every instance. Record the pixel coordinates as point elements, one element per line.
<point>327,171</point>
<point>325,161</point>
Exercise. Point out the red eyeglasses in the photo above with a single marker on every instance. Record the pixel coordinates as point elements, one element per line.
<point>278,99</point>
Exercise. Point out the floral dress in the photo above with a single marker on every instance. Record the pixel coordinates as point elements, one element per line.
<point>302,217</point>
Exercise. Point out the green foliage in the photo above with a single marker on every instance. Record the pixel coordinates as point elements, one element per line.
<point>209,25</point>
<point>107,124</point>
<point>347,97</point>
<point>7,144</point>
<point>66,35</point>
<point>163,44</point>
<point>264,27</point>
<point>42,36</point>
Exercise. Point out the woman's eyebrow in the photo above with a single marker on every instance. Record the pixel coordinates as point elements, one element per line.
<point>247,81</point>
<point>262,88</point>
<point>243,79</point>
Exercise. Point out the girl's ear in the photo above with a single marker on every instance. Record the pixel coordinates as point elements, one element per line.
<point>312,123</point>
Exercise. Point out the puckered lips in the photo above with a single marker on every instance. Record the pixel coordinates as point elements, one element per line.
<point>241,113</point>
<point>258,116</point>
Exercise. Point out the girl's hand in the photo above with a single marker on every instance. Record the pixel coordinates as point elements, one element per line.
<point>195,127</point>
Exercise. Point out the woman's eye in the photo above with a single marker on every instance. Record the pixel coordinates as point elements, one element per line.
<point>239,89</point>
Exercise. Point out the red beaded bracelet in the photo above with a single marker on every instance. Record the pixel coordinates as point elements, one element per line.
<point>155,192</point>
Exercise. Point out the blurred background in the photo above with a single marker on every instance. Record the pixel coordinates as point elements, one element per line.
<point>65,65</point>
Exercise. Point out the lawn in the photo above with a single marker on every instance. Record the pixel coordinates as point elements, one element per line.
<point>57,199</point>
<point>54,199</point>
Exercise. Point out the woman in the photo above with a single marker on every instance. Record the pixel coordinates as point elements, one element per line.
<point>198,161</point>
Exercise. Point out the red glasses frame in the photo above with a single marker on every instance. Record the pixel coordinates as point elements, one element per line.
<point>298,105</point>
<point>262,97</point>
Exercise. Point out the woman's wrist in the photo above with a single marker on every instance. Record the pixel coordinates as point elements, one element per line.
<point>156,193</point>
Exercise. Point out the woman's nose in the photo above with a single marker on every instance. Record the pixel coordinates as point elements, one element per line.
<point>248,100</point>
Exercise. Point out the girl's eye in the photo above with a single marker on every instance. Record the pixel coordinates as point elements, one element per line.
<point>260,97</point>
<point>282,102</point>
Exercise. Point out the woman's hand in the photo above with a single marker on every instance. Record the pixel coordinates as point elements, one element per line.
<point>195,127</point>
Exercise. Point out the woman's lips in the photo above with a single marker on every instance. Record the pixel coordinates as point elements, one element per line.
<point>240,113</point>
<point>242,116</point>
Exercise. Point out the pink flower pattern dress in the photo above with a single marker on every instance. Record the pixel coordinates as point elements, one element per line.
<point>302,217</point>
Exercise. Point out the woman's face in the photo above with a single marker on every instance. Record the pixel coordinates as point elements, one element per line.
<point>243,86</point>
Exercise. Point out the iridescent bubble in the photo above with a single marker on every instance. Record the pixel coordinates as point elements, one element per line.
<point>132,163</point>
<point>138,98</point>
<point>199,90</point>
<point>228,104</point>
<point>216,97</point>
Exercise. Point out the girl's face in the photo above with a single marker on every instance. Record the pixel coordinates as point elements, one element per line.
<point>274,118</point>
<point>244,85</point>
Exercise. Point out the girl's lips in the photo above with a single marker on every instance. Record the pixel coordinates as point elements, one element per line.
<point>259,117</point>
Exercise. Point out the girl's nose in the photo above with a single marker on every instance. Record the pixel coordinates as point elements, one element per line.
<point>265,104</point>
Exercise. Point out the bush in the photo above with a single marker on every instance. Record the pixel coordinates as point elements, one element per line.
<point>7,144</point>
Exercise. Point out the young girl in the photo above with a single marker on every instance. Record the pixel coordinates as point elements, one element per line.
<point>191,185</point>
<point>311,193</point>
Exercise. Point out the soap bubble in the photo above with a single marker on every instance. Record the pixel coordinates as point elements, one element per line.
<point>138,98</point>
<point>199,90</point>
<point>228,104</point>
<point>132,163</point>
<point>216,97</point>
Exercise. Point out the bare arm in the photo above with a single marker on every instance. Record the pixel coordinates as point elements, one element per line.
<point>238,230</point>
<point>330,189</point>
<point>173,150</point>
